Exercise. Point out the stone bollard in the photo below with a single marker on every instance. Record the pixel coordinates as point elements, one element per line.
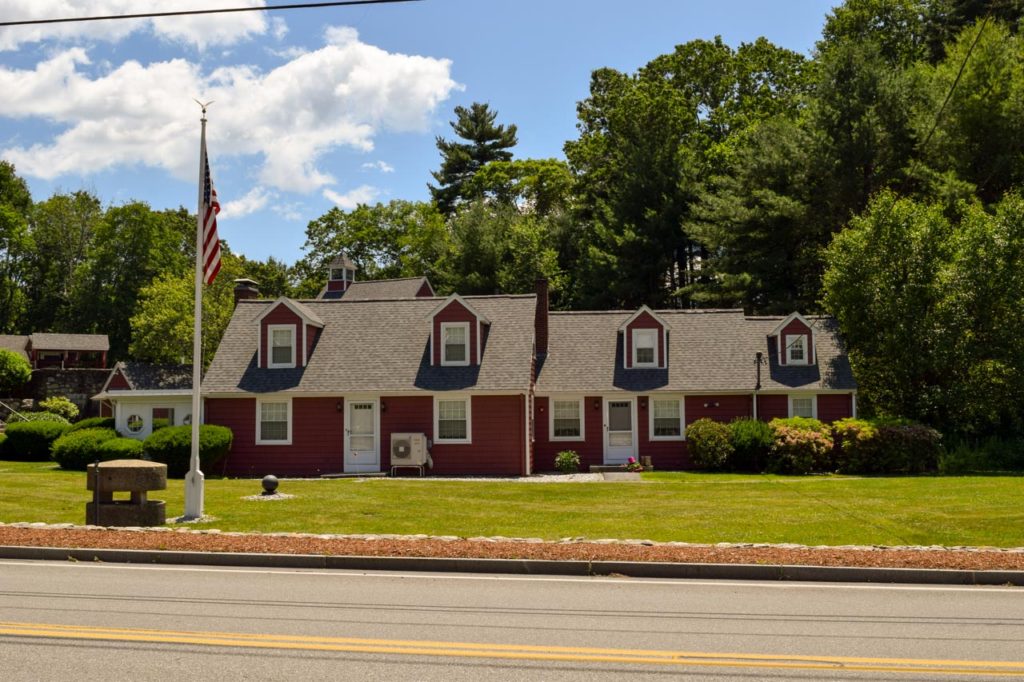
<point>134,476</point>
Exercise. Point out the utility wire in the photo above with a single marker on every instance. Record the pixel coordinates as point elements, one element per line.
<point>225,10</point>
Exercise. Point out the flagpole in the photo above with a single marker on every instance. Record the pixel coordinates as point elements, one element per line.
<point>194,480</point>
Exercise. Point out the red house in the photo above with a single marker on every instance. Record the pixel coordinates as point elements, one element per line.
<point>498,383</point>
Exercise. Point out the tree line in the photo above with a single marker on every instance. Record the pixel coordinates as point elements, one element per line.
<point>861,180</point>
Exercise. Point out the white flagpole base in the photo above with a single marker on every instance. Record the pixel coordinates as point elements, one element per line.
<point>194,495</point>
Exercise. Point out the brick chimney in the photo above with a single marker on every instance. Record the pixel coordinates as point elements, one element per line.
<point>245,289</point>
<point>540,324</point>
<point>341,272</point>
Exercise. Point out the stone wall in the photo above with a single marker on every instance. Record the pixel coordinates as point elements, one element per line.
<point>77,385</point>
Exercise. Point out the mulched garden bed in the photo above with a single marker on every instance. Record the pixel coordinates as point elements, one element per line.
<point>206,541</point>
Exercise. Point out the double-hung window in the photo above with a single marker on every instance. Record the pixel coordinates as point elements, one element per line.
<point>567,419</point>
<point>282,345</point>
<point>455,343</point>
<point>645,347</point>
<point>796,349</point>
<point>803,406</point>
<point>666,419</point>
<point>452,417</point>
<point>274,423</point>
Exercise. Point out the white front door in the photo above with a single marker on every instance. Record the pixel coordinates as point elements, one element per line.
<point>619,431</point>
<point>361,448</point>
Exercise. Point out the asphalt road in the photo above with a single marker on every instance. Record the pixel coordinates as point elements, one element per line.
<point>61,621</point>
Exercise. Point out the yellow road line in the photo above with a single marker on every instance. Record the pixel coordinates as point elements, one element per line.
<point>514,651</point>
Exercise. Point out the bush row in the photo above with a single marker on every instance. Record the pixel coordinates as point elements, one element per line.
<point>799,446</point>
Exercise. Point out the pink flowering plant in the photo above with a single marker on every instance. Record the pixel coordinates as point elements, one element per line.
<point>633,465</point>
<point>799,446</point>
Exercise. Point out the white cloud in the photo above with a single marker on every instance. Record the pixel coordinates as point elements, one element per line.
<point>344,94</point>
<point>289,211</point>
<point>197,30</point>
<point>382,166</point>
<point>363,194</point>
<point>255,199</point>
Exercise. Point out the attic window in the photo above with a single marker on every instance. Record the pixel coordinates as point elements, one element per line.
<point>455,340</point>
<point>645,343</point>
<point>282,345</point>
<point>796,349</point>
<point>342,274</point>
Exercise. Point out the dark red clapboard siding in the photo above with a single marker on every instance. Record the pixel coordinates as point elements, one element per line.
<point>317,438</point>
<point>497,430</point>
<point>590,450</point>
<point>406,414</point>
<point>664,454</point>
<point>454,312</point>
<point>118,383</point>
<point>729,407</point>
<point>771,407</point>
<point>282,314</point>
<point>424,291</point>
<point>834,406</point>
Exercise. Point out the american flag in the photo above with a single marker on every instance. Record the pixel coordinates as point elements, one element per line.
<point>209,209</point>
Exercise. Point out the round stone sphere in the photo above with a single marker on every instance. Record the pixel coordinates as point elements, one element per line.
<point>270,484</point>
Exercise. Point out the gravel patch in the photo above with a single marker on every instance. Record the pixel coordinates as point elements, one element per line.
<point>268,498</point>
<point>576,549</point>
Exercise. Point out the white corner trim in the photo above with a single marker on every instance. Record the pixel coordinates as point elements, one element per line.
<point>651,399</point>
<point>468,399</point>
<point>644,309</point>
<point>814,403</point>
<point>259,405</point>
<point>290,328</point>
<point>469,344</point>
<point>580,400</point>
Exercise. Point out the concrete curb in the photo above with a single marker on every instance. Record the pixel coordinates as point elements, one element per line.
<point>632,569</point>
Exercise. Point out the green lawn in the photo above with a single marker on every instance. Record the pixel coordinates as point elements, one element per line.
<point>689,507</point>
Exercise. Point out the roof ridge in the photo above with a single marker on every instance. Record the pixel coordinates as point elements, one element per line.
<point>389,279</point>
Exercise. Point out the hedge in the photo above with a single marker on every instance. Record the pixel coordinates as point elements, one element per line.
<point>3,437</point>
<point>708,444</point>
<point>30,441</point>
<point>92,423</point>
<point>39,417</point>
<point>173,446</point>
<point>886,447</point>
<point>121,448</point>
<point>75,451</point>
<point>751,440</point>
<point>60,405</point>
<point>799,446</point>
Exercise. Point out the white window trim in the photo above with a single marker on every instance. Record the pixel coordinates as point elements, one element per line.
<point>814,403</point>
<point>259,416</point>
<point>469,420</point>
<point>650,418</point>
<point>452,325</point>
<point>271,328</point>
<point>636,334</point>
<point>789,349</point>
<point>551,419</point>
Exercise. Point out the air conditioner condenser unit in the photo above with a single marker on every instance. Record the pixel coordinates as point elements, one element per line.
<point>410,449</point>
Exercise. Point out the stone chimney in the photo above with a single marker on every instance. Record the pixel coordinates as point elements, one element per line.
<point>245,289</point>
<point>540,324</point>
<point>341,272</point>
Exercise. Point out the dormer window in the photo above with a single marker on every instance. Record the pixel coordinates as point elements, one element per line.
<point>342,274</point>
<point>455,343</point>
<point>282,345</point>
<point>645,347</point>
<point>796,349</point>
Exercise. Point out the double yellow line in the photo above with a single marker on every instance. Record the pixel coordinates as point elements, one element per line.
<point>513,651</point>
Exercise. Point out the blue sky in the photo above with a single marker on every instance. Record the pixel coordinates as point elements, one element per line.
<point>317,108</point>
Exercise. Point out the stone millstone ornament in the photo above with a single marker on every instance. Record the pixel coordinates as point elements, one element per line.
<point>270,484</point>
<point>134,476</point>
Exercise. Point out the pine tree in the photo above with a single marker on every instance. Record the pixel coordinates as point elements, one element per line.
<point>485,142</point>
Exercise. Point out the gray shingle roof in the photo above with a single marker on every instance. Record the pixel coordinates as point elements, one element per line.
<point>709,350</point>
<point>143,376</point>
<point>378,289</point>
<point>18,344</point>
<point>378,346</point>
<point>80,342</point>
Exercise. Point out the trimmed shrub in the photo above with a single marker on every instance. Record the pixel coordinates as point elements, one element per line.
<point>30,441</point>
<point>751,440</point>
<point>708,444</point>
<point>161,423</point>
<point>910,448</point>
<point>40,417</point>
<point>92,423</point>
<point>567,461</point>
<point>75,451</point>
<point>3,437</point>
<point>121,448</point>
<point>173,446</point>
<point>14,371</point>
<point>60,405</point>
<point>799,446</point>
<point>856,446</point>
